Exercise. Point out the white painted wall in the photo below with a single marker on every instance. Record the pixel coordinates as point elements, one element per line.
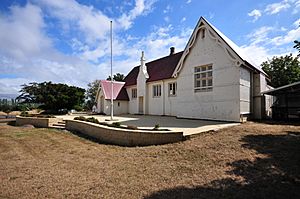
<point>245,90</point>
<point>120,107</point>
<point>223,102</point>
<point>155,104</point>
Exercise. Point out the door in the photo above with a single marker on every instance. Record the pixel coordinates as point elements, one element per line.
<point>141,105</point>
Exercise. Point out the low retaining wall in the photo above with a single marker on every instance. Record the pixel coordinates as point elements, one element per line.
<point>37,122</point>
<point>124,137</point>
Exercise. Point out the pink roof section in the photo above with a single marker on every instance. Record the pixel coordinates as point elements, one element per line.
<point>119,92</point>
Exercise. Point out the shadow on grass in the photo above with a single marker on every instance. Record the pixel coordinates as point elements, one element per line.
<point>276,176</point>
<point>294,122</point>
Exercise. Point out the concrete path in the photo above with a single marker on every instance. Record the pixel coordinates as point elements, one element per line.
<point>188,126</point>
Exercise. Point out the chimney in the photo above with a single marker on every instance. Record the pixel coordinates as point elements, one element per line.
<point>172,50</point>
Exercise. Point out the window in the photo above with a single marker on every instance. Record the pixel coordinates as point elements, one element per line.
<point>157,90</point>
<point>203,78</point>
<point>172,89</point>
<point>134,93</point>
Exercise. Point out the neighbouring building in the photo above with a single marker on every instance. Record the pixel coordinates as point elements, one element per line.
<point>211,79</point>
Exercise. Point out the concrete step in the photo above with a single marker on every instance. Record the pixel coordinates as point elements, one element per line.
<point>61,122</point>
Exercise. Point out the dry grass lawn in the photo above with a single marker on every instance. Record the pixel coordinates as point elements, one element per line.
<point>252,160</point>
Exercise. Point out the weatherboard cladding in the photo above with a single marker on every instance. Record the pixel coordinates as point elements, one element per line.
<point>158,69</point>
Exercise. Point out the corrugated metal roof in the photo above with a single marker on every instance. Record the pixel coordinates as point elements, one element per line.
<point>294,87</point>
<point>158,69</point>
<point>119,92</point>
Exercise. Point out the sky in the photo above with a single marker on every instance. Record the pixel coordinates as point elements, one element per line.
<point>68,41</point>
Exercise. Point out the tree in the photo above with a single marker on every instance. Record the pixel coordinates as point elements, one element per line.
<point>282,70</point>
<point>297,46</point>
<point>52,96</point>
<point>91,93</point>
<point>117,77</point>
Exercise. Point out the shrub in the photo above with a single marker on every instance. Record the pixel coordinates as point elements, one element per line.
<point>93,120</point>
<point>24,114</point>
<point>156,127</point>
<point>116,124</point>
<point>78,108</point>
<point>81,118</point>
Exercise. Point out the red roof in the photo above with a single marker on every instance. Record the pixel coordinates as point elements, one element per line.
<point>158,69</point>
<point>119,92</point>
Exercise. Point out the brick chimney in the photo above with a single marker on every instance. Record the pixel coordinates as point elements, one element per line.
<point>172,50</point>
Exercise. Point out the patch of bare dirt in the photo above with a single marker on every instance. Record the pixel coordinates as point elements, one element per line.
<point>253,160</point>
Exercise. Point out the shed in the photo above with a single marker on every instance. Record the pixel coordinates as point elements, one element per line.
<point>287,101</point>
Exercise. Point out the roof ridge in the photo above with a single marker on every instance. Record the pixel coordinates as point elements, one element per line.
<point>165,57</point>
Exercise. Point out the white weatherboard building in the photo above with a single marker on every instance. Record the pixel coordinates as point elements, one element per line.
<point>211,79</point>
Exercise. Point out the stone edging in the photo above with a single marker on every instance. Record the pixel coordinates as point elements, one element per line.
<point>124,137</point>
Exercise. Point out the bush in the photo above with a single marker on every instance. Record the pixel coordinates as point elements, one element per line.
<point>156,127</point>
<point>78,108</point>
<point>90,119</point>
<point>116,124</point>
<point>24,114</point>
<point>81,118</point>
<point>93,120</point>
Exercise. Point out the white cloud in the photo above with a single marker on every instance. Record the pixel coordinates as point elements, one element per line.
<point>142,7</point>
<point>290,37</point>
<point>93,23</point>
<point>168,9</point>
<point>183,19</point>
<point>29,54</point>
<point>266,42</point>
<point>167,18</point>
<point>297,23</point>
<point>257,53</point>
<point>25,28</point>
<point>189,1</point>
<point>255,14</point>
<point>260,35</point>
<point>275,8</point>
<point>296,7</point>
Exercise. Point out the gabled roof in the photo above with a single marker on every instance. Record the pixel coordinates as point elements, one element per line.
<point>235,48</point>
<point>230,44</point>
<point>119,92</point>
<point>158,69</point>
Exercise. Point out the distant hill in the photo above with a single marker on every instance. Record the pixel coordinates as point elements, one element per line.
<point>8,96</point>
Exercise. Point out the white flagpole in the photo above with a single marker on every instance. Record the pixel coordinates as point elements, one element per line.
<point>111,76</point>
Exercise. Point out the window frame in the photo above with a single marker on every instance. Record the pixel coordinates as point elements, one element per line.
<point>203,78</point>
<point>172,89</point>
<point>156,90</point>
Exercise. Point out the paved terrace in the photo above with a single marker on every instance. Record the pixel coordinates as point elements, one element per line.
<point>188,126</point>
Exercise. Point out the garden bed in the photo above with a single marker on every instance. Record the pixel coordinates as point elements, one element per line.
<point>37,121</point>
<point>122,136</point>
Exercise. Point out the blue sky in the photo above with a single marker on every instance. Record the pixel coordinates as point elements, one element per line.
<point>68,41</point>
